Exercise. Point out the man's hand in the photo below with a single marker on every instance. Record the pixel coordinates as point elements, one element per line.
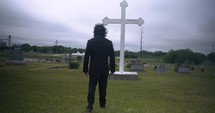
<point>86,74</point>
<point>111,73</point>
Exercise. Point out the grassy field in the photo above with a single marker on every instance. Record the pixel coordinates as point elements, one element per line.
<point>36,88</point>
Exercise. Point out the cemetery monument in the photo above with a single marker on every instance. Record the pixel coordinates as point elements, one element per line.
<point>123,21</point>
<point>183,69</point>
<point>137,65</point>
<point>161,68</point>
<point>16,57</point>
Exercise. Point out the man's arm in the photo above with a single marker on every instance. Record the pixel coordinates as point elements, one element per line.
<point>86,58</point>
<point>112,59</point>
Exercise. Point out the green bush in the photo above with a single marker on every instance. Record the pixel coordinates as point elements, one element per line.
<point>128,65</point>
<point>74,65</point>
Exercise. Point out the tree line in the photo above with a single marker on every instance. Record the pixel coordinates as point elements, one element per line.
<point>187,56</point>
<point>180,56</point>
<point>57,49</point>
<point>141,54</point>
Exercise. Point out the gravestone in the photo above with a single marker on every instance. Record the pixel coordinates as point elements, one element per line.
<point>16,57</point>
<point>183,69</point>
<point>64,59</point>
<point>136,66</point>
<point>79,58</point>
<point>161,69</point>
<point>202,68</point>
<point>123,21</point>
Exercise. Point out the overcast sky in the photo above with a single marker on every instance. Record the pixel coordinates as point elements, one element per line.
<point>169,24</point>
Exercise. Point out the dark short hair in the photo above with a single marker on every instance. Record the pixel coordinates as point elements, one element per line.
<point>100,30</point>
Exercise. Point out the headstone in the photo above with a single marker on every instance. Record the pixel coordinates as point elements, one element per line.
<point>79,58</point>
<point>16,57</point>
<point>202,68</point>
<point>161,69</point>
<point>183,69</point>
<point>136,66</point>
<point>69,63</point>
<point>64,59</point>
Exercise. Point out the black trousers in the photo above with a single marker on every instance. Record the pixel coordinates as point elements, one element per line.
<point>102,81</point>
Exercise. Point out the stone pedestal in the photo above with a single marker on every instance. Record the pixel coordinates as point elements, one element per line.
<point>124,76</point>
<point>16,57</point>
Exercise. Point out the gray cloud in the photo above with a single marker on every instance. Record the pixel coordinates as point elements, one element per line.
<point>26,29</point>
<point>169,24</point>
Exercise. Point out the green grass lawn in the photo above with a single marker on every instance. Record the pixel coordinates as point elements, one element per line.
<point>35,88</point>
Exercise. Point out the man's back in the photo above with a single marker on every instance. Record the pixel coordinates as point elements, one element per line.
<point>99,49</point>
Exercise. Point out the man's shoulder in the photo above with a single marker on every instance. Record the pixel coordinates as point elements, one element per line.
<point>108,40</point>
<point>90,40</point>
<point>105,39</point>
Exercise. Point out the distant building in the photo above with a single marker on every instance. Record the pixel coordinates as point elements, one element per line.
<point>2,43</point>
<point>78,54</point>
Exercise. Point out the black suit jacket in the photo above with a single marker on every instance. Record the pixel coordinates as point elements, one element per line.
<point>98,50</point>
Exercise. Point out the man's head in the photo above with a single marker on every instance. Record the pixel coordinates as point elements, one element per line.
<point>100,30</point>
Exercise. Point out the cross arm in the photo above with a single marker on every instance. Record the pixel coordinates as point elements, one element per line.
<point>107,21</point>
<point>138,21</point>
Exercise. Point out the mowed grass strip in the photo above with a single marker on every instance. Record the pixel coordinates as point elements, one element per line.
<point>62,90</point>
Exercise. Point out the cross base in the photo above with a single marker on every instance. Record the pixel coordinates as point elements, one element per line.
<point>124,76</point>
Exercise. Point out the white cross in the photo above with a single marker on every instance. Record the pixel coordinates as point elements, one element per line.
<point>122,21</point>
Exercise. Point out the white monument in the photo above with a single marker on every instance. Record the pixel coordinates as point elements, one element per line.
<point>123,21</point>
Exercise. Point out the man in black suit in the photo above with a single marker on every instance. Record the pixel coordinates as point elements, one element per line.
<point>98,51</point>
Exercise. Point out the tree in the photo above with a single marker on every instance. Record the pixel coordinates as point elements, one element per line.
<point>183,56</point>
<point>211,56</point>
<point>130,54</point>
<point>117,53</point>
<point>45,49</point>
<point>199,58</point>
<point>26,47</point>
<point>35,48</point>
<point>159,53</point>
